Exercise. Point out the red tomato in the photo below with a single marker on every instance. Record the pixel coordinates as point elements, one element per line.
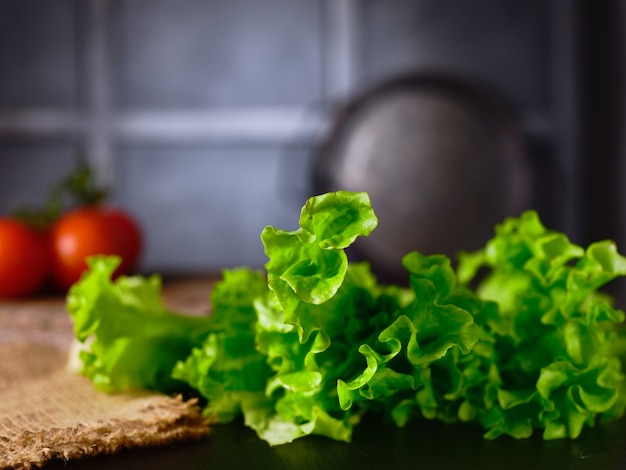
<point>24,260</point>
<point>93,230</point>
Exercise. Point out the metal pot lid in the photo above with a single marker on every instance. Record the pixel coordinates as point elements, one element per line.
<point>441,159</point>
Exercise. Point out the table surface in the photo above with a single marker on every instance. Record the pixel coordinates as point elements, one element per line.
<point>375,444</point>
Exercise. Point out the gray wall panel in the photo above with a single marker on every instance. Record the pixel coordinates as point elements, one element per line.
<point>506,43</point>
<point>204,208</point>
<point>186,106</point>
<point>194,53</point>
<point>37,53</point>
<point>29,170</point>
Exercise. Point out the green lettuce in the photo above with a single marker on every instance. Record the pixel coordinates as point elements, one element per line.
<point>294,344</point>
<point>130,340</point>
<point>336,342</point>
<point>516,337</point>
<point>552,349</point>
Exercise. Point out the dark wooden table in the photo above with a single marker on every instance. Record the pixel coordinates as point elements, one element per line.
<point>376,445</point>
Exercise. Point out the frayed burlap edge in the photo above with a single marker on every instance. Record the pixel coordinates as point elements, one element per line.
<point>40,422</point>
<point>48,413</point>
<point>32,449</point>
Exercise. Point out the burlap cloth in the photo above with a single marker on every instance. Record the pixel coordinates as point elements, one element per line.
<point>48,413</point>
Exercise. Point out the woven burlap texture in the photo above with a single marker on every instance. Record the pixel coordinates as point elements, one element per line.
<point>48,413</point>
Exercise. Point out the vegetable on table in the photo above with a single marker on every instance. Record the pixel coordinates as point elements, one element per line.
<point>552,348</point>
<point>133,340</point>
<point>516,338</point>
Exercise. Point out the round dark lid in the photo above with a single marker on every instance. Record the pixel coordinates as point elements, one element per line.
<point>441,160</point>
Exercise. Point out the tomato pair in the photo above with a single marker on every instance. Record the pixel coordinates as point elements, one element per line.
<point>29,258</point>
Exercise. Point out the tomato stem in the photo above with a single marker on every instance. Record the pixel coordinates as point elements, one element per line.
<point>82,186</point>
<point>79,188</point>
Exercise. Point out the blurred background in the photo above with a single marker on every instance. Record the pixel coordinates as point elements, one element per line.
<point>211,119</point>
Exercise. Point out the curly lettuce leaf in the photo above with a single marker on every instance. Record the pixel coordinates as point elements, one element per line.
<point>424,329</point>
<point>131,341</point>
<point>226,368</point>
<point>308,265</point>
<point>298,342</point>
<point>285,388</point>
<point>553,341</point>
